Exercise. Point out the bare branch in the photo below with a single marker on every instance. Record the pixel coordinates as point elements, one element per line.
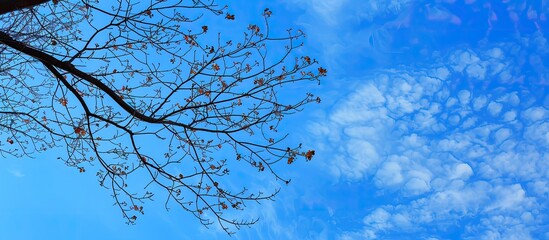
<point>154,102</point>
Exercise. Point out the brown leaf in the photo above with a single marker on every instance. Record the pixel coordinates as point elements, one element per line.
<point>229,16</point>
<point>290,160</point>
<point>309,155</point>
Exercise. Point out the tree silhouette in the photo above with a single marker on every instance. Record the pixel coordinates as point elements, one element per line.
<point>153,99</point>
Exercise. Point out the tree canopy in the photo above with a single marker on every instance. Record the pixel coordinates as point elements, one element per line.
<point>152,99</point>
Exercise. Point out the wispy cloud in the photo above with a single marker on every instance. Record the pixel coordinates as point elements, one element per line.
<point>17,173</point>
<point>342,29</point>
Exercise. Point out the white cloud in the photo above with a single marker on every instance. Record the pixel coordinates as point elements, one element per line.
<point>378,219</point>
<point>329,10</point>
<point>507,197</point>
<point>479,102</point>
<point>464,139</point>
<point>461,171</point>
<point>540,187</point>
<point>416,186</point>
<point>476,71</point>
<point>494,108</point>
<point>363,159</point>
<point>495,53</point>
<point>509,116</point>
<point>538,132</point>
<point>535,114</point>
<point>510,98</point>
<point>449,153</point>
<point>390,174</point>
<point>356,108</point>
<point>464,97</point>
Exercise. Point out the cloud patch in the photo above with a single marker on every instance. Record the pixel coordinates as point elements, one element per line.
<point>457,154</point>
<point>17,173</point>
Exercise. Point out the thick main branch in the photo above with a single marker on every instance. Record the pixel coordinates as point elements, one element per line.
<point>7,6</point>
<point>46,58</point>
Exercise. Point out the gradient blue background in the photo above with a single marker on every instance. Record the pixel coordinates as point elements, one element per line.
<point>434,124</point>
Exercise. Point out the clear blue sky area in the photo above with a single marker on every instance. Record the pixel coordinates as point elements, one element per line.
<point>434,124</point>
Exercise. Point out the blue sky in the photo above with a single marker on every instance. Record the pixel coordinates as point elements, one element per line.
<point>434,124</point>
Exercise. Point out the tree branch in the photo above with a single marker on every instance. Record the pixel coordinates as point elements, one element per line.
<point>44,57</point>
<point>7,6</point>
